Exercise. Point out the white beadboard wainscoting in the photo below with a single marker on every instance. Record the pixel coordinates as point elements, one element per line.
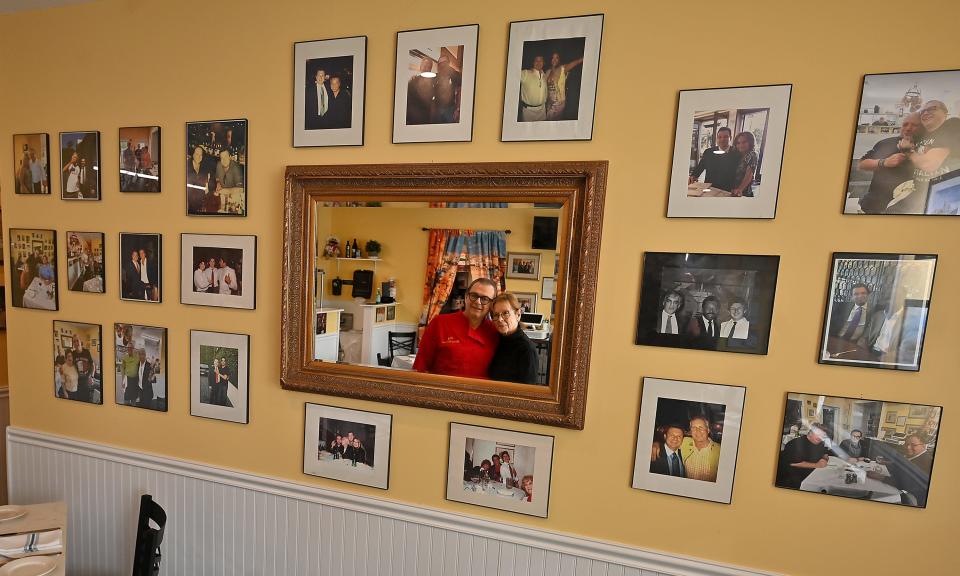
<point>224,522</point>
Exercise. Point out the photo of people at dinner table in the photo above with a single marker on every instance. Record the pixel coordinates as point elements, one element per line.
<point>347,443</point>
<point>33,275</point>
<point>856,448</point>
<point>499,470</point>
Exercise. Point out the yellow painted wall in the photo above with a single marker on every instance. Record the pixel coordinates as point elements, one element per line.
<point>70,69</point>
<point>404,246</point>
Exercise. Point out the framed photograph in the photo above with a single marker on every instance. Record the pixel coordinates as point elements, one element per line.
<point>523,265</point>
<point>891,416</point>
<point>80,165</point>
<point>841,451</point>
<point>721,302</point>
<point>31,163</point>
<point>551,80</point>
<point>217,168</point>
<point>727,152</point>
<point>348,445</point>
<point>901,421</point>
<point>527,300</point>
<point>329,78</point>
<point>77,354</point>
<point>391,313</point>
<point>141,366</point>
<point>435,82</point>
<point>905,157</point>
<point>140,159</point>
<point>85,259</point>
<point>917,411</point>
<point>141,267</point>
<point>548,287</point>
<point>877,309</point>
<point>218,270</point>
<point>688,438</point>
<point>3,308</point>
<point>33,268</point>
<point>220,376</point>
<point>499,468</point>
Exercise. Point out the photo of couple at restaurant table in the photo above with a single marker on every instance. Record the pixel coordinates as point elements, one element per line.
<point>730,165</point>
<point>498,468</point>
<point>469,344</point>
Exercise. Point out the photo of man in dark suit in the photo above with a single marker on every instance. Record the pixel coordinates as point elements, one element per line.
<point>145,377</point>
<point>706,324</point>
<point>857,320</point>
<point>316,101</point>
<point>133,287</point>
<point>670,320</point>
<point>669,462</point>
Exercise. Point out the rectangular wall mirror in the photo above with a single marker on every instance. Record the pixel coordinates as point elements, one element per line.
<point>396,320</point>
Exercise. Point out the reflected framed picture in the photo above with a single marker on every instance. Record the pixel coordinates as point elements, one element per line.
<point>33,268</point>
<point>85,258</point>
<point>839,451</point>
<point>501,469</point>
<point>80,165</point>
<point>329,78</point>
<point>721,302</point>
<point>347,445</point>
<point>141,366</point>
<point>217,164</point>
<point>77,365</point>
<point>548,287</point>
<point>877,310</point>
<point>218,270</point>
<point>523,265</point>
<point>727,152</point>
<point>220,376</point>
<point>31,163</point>
<point>551,81</point>
<point>140,159</point>
<point>688,438</point>
<point>436,73</point>
<point>905,158</point>
<point>141,267</point>
<point>527,300</point>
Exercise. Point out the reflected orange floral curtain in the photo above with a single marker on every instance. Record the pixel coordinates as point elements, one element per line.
<point>485,255</point>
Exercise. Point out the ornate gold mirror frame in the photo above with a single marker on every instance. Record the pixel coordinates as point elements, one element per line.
<point>578,186</point>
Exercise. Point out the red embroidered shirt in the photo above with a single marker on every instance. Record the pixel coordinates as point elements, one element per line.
<point>450,346</point>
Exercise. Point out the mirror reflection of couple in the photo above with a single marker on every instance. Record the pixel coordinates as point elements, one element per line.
<point>471,345</point>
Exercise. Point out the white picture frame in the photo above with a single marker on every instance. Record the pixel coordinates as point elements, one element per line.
<point>549,35</point>
<point>523,265</point>
<point>307,56</point>
<point>739,106</point>
<point>321,420</point>
<point>239,253</point>
<point>731,398</point>
<point>432,45</point>
<point>548,288</point>
<point>535,460</point>
<point>236,389</point>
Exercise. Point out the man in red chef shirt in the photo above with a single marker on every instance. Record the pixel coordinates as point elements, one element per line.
<point>461,344</point>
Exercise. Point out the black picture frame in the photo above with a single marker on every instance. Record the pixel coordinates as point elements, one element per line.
<point>96,165</point>
<point>118,386</point>
<point>866,349</point>
<point>399,122</point>
<point>204,410</point>
<point>103,258</point>
<point>853,157</point>
<point>249,273</point>
<point>16,267</point>
<point>341,47</point>
<point>126,291</point>
<point>373,415</point>
<point>200,203</point>
<point>126,178</point>
<point>99,353</point>
<point>45,144</point>
<point>757,277</point>
<point>888,451</point>
<point>458,472</point>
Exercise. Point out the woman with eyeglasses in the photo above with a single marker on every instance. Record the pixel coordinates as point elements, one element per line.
<point>516,357</point>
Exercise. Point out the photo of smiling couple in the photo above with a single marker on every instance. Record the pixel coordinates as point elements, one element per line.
<point>484,340</point>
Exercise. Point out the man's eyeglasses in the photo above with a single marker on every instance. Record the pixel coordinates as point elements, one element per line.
<point>474,297</point>
<point>501,316</point>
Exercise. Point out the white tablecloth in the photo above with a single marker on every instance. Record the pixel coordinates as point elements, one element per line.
<point>496,489</point>
<point>328,458</point>
<point>830,480</point>
<point>39,295</point>
<point>404,362</point>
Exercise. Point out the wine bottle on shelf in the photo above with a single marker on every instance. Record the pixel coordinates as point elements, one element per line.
<point>356,249</point>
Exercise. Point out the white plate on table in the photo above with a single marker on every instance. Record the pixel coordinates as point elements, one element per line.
<point>12,512</point>
<point>30,566</point>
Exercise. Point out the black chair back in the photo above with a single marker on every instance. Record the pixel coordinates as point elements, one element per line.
<point>146,557</point>
<point>402,342</point>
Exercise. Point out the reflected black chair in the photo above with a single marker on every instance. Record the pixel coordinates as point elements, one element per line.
<point>146,557</point>
<point>403,342</point>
